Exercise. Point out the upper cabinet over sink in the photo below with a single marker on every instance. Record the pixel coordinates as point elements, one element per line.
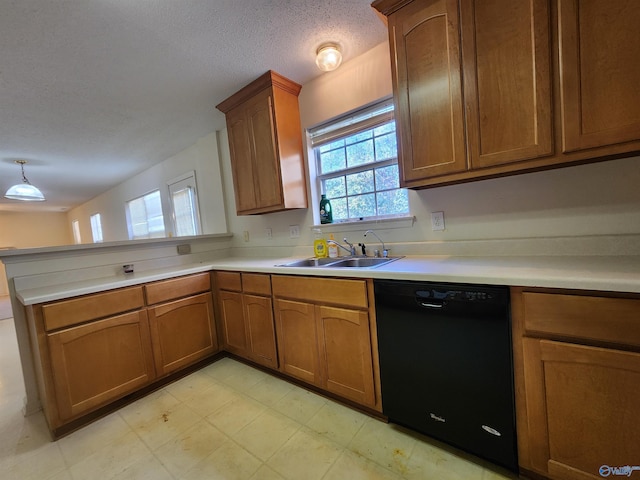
<point>485,88</point>
<point>265,142</point>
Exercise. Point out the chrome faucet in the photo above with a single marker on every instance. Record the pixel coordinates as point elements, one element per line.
<point>385,252</point>
<point>351,249</point>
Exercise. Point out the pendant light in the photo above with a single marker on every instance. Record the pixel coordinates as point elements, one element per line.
<point>24,191</point>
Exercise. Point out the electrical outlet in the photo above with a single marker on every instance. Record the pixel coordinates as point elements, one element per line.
<point>437,221</point>
<point>294,231</point>
<point>269,233</point>
<point>184,249</point>
<point>245,235</point>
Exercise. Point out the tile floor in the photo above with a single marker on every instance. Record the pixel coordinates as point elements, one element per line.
<point>226,421</point>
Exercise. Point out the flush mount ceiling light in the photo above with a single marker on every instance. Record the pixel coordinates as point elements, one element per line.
<point>24,191</point>
<point>328,57</point>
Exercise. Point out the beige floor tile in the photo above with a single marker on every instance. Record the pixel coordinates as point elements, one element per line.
<point>111,460</point>
<point>337,422</point>
<point>82,443</point>
<point>229,462</point>
<point>266,434</point>
<point>385,444</point>
<point>269,390</point>
<point>497,473</point>
<point>166,425</point>
<point>24,437</point>
<point>63,475</point>
<point>190,447</point>
<point>147,468</point>
<point>220,369</point>
<point>43,463</point>
<point>299,404</point>
<point>243,377</point>
<point>444,463</point>
<point>191,385</point>
<point>148,408</point>
<point>306,455</point>
<point>354,467</point>
<point>266,473</point>
<point>235,415</point>
<point>211,399</point>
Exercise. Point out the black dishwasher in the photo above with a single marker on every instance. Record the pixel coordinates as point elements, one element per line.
<point>446,364</point>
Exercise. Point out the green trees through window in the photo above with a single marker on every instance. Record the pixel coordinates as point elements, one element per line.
<point>359,173</point>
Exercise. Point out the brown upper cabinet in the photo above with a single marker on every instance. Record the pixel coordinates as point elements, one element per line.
<point>265,143</point>
<point>490,88</point>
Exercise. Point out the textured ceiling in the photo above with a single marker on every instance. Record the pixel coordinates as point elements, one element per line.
<point>95,91</point>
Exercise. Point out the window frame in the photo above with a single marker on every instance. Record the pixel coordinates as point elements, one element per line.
<point>358,121</point>
<point>95,221</point>
<point>188,180</point>
<point>129,221</point>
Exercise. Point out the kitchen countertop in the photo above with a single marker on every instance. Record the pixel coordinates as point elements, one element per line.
<point>602,273</point>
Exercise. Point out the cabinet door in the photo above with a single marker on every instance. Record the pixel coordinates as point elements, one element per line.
<point>582,405</point>
<point>241,160</point>
<point>266,165</point>
<point>262,336</point>
<point>182,332</point>
<point>234,331</point>
<point>347,362</point>
<point>507,80</point>
<point>425,45</point>
<point>599,72</point>
<point>101,361</point>
<point>297,340</point>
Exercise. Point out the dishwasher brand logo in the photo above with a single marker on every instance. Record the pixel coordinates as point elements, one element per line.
<point>436,418</point>
<point>624,471</point>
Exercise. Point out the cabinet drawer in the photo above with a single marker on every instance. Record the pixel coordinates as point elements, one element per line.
<point>173,288</point>
<point>229,281</point>
<point>604,319</point>
<point>70,312</point>
<point>256,283</point>
<point>337,291</point>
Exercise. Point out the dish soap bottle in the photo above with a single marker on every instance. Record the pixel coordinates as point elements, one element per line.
<point>332,247</point>
<point>326,215</point>
<point>319,245</point>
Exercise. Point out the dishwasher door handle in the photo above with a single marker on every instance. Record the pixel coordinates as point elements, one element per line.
<point>430,305</point>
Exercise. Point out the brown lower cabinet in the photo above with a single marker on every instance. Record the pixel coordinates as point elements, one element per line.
<point>95,363</point>
<point>577,366</point>
<point>246,316</point>
<point>98,348</point>
<point>326,335</point>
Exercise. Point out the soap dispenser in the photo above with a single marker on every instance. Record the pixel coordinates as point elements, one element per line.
<point>319,244</point>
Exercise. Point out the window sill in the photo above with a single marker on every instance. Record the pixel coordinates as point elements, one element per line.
<point>357,225</point>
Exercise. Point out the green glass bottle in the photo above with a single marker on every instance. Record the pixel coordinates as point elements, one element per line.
<point>326,215</point>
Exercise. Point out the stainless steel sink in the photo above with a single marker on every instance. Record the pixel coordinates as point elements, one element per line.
<point>310,262</point>
<point>344,262</point>
<point>362,262</point>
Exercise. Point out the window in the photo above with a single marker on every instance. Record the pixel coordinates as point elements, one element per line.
<point>96,227</point>
<point>144,216</point>
<point>357,165</point>
<point>75,226</point>
<point>184,203</point>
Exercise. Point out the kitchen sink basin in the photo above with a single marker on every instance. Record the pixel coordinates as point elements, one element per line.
<point>344,262</point>
<point>310,262</point>
<point>362,262</point>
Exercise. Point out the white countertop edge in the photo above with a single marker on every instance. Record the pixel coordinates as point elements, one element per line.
<point>606,273</point>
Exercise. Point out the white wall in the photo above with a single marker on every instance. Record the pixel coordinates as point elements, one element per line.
<point>596,199</point>
<point>202,158</point>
